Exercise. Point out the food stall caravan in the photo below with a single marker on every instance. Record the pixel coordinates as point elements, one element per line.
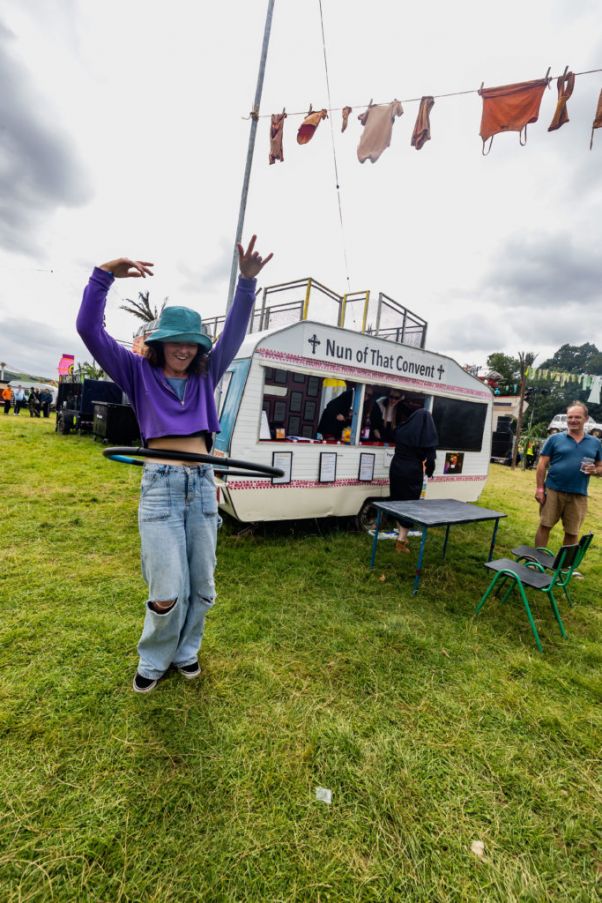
<point>276,389</point>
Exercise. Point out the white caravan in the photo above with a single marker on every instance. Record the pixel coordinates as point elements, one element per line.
<point>276,388</point>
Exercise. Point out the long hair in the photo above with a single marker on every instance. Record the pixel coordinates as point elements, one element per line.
<point>156,358</point>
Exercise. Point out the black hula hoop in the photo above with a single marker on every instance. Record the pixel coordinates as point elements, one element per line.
<point>127,455</point>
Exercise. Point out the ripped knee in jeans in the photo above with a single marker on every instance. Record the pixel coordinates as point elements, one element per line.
<point>161,607</point>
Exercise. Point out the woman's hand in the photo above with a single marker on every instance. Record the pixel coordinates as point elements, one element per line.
<point>123,267</point>
<point>249,261</point>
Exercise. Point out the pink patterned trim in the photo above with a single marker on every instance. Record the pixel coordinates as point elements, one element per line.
<point>314,484</point>
<point>456,478</point>
<point>302,484</point>
<point>285,357</point>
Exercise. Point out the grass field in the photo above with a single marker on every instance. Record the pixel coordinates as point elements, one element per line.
<point>433,728</point>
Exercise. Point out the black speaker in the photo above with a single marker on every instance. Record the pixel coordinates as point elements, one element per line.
<point>80,396</point>
<point>98,390</point>
<point>115,423</point>
<point>504,422</point>
<point>501,444</point>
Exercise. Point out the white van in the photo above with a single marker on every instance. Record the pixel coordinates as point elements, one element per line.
<point>558,424</point>
<point>276,388</point>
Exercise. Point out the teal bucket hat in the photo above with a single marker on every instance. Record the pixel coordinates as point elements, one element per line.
<point>179,324</point>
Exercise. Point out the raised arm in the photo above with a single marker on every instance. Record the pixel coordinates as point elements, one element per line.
<point>112,357</point>
<point>124,268</point>
<point>235,328</point>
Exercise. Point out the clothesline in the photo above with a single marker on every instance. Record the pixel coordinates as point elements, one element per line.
<point>253,115</point>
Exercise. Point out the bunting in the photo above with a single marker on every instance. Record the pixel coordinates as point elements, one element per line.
<point>586,380</point>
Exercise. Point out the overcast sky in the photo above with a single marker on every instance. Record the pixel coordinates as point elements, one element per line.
<point>122,133</point>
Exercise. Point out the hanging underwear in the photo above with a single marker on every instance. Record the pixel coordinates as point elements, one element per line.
<point>565,85</point>
<point>597,123</point>
<point>422,129</point>
<point>510,108</point>
<point>309,125</point>
<point>276,130</point>
<point>378,128</point>
<point>346,112</point>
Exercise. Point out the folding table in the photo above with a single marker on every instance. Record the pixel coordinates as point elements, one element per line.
<point>433,513</point>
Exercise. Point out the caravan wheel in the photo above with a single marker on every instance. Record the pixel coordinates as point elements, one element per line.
<point>365,518</point>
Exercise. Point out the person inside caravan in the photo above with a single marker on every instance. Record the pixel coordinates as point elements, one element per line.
<point>415,453</point>
<point>336,416</point>
<point>372,418</point>
<point>172,392</point>
<point>384,417</point>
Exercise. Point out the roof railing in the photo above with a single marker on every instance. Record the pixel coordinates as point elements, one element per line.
<point>311,300</point>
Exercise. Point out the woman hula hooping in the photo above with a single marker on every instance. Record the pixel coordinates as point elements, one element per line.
<point>172,393</point>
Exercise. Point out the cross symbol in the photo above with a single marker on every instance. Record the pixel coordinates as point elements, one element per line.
<point>440,370</point>
<point>313,342</point>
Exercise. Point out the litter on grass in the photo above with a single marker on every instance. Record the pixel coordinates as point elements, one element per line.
<point>324,795</point>
<point>478,848</point>
<point>392,534</point>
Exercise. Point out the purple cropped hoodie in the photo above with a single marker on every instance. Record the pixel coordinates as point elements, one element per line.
<point>157,407</point>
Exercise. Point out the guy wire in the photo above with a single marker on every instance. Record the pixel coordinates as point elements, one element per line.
<point>334,153</point>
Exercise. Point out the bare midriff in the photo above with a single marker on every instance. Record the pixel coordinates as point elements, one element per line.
<point>191,444</point>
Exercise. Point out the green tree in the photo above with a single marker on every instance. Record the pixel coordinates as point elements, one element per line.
<point>508,367</point>
<point>548,397</point>
<point>142,307</point>
<point>575,359</point>
<point>594,363</point>
<point>526,359</point>
<point>87,370</point>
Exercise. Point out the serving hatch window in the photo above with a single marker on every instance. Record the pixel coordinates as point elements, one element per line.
<point>297,405</point>
<point>293,403</point>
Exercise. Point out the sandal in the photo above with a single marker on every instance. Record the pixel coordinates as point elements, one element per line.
<point>402,545</point>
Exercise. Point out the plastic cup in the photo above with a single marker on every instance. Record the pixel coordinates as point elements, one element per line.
<point>585,465</point>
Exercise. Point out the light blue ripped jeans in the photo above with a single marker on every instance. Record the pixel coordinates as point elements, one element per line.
<point>178,521</point>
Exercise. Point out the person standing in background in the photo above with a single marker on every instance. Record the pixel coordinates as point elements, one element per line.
<point>45,401</point>
<point>565,465</point>
<point>34,403</point>
<point>7,398</point>
<point>19,399</point>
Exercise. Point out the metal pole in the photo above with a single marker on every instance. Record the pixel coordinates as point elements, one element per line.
<point>250,149</point>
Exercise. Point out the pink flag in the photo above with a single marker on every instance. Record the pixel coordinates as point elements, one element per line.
<point>66,364</point>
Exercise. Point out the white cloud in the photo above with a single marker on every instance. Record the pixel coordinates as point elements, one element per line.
<point>39,170</point>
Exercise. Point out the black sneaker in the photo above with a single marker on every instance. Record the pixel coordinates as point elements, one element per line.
<point>144,684</point>
<point>189,671</point>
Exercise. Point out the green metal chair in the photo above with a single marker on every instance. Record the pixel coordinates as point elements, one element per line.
<point>546,558</point>
<point>532,575</point>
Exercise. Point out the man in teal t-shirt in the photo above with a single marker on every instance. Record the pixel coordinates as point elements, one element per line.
<point>562,493</point>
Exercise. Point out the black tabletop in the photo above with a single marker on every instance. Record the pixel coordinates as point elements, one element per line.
<point>435,512</point>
